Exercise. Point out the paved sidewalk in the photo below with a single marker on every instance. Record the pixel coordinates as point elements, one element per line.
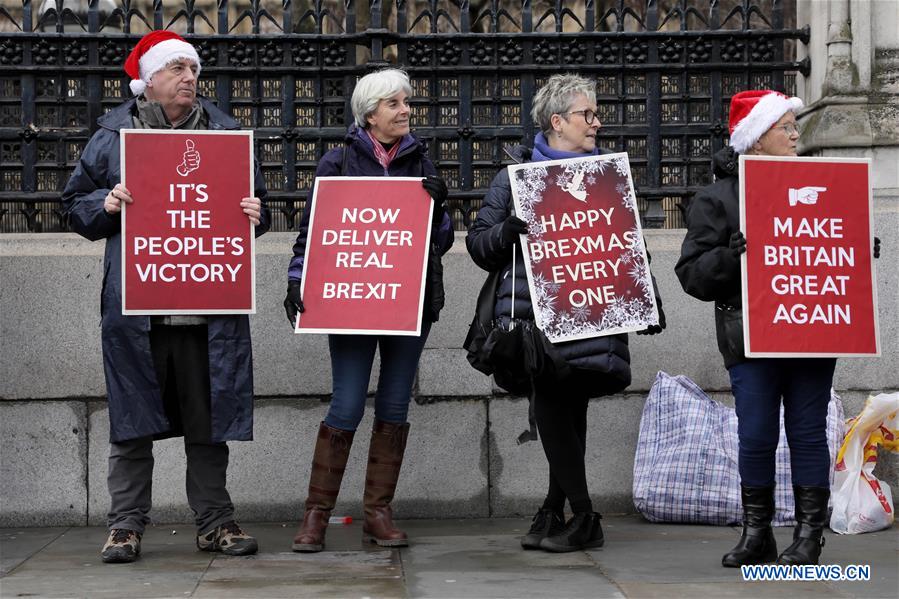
<point>447,558</point>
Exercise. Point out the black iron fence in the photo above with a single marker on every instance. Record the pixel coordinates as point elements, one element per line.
<point>286,69</point>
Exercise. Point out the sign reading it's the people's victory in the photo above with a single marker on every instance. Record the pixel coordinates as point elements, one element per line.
<point>585,258</point>
<point>808,278</point>
<point>187,245</point>
<point>366,256</point>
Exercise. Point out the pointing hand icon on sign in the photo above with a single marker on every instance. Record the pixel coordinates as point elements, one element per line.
<point>191,161</point>
<point>805,195</point>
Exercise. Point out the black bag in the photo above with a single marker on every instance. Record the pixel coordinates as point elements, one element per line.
<point>516,355</point>
<point>481,325</point>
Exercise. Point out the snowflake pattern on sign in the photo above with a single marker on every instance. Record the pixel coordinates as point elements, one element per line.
<point>547,191</point>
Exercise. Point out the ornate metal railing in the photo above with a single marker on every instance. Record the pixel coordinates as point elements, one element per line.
<point>286,68</point>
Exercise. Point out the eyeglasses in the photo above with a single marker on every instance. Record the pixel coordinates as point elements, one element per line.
<point>789,128</point>
<point>589,115</point>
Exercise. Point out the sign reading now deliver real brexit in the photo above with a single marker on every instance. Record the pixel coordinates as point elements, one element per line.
<point>187,246</point>
<point>366,256</point>
<point>808,278</point>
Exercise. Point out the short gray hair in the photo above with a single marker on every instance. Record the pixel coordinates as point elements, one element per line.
<point>375,87</point>
<point>556,96</point>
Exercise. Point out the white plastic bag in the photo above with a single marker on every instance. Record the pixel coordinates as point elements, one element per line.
<point>861,502</point>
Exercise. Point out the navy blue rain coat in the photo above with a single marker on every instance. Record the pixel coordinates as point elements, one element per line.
<point>135,399</point>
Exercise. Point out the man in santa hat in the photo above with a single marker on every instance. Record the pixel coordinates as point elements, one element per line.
<point>166,376</point>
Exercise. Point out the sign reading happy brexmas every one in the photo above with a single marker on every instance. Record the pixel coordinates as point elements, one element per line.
<point>366,255</point>
<point>808,279</point>
<point>187,246</point>
<point>586,263</point>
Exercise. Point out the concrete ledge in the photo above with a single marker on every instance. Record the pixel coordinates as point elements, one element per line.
<point>43,466</point>
<point>462,459</point>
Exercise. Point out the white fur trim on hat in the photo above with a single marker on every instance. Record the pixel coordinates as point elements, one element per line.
<point>160,56</point>
<point>765,113</point>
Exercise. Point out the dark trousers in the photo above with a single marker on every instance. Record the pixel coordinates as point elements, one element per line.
<point>561,415</point>
<point>804,385</point>
<point>351,361</point>
<point>180,357</point>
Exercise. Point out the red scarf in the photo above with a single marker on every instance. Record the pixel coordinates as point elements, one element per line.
<point>383,156</point>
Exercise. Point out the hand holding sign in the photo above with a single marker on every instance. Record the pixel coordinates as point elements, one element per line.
<point>113,201</point>
<point>805,195</point>
<point>191,161</point>
<point>252,207</point>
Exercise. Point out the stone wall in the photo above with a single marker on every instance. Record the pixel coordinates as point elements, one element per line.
<point>462,459</point>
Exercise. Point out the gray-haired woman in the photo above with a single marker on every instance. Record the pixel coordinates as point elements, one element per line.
<point>565,111</point>
<point>378,144</point>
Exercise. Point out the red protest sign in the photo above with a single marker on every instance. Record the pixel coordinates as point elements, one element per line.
<point>808,281</point>
<point>586,261</point>
<point>366,255</point>
<point>187,246</point>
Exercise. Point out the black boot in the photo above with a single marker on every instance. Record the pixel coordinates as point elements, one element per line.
<point>546,523</point>
<point>808,536</point>
<point>756,544</point>
<point>583,531</point>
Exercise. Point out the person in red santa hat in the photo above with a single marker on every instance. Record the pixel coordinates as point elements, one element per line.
<point>172,375</point>
<point>762,122</point>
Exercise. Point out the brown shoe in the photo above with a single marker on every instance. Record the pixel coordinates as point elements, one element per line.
<point>332,448</point>
<point>385,458</point>
<point>229,538</point>
<point>122,546</point>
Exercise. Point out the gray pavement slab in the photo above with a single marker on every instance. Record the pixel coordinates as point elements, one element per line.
<point>469,558</point>
<point>18,544</point>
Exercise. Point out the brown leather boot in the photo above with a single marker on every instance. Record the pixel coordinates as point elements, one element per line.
<point>332,448</point>
<point>385,458</point>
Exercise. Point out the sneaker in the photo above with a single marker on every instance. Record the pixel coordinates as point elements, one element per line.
<point>545,523</point>
<point>228,539</point>
<point>583,531</point>
<point>121,547</point>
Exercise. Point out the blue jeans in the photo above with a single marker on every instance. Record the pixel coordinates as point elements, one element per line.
<point>351,361</point>
<point>804,384</point>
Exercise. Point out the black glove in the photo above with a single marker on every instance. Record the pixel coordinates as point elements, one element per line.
<point>436,188</point>
<point>737,243</point>
<point>877,247</point>
<point>512,228</point>
<point>655,329</point>
<point>293,303</point>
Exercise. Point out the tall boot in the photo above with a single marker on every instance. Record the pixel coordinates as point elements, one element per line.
<point>756,544</point>
<point>808,536</point>
<point>385,458</point>
<point>332,448</point>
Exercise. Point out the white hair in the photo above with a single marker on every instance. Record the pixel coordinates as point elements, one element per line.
<point>557,95</point>
<point>375,87</point>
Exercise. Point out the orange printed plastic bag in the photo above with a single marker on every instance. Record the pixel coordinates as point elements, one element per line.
<point>861,502</point>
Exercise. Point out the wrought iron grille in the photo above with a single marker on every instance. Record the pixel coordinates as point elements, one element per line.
<point>664,73</point>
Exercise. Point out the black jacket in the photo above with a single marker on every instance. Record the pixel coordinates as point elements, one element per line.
<point>608,358</point>
<point>708,269</point>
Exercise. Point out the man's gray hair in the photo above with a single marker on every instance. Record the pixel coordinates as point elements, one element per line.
<point>556,96</point>
<point>375,87</point>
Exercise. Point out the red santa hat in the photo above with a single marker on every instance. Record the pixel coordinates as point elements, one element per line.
<point>154,52</point>
<point>753,112</point>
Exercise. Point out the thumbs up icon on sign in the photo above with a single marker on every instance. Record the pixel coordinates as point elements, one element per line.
<point>805,195</point>
<point>191,161</point>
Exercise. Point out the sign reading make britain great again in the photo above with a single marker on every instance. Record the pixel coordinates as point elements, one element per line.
<point>808,278</point>
<point>187,245</point>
